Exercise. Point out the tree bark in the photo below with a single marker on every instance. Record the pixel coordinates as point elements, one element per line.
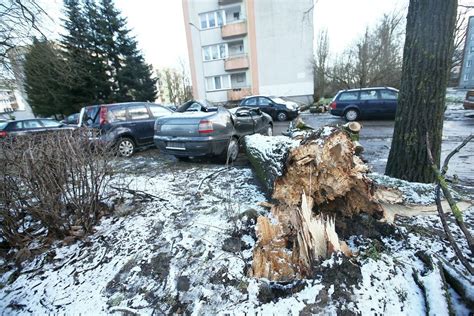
<point>426,63</point>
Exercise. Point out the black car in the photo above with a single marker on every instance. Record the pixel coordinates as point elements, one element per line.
<point>30,126</point>
<point>124,126</point>
<point>277,108</point>
<point>379,102</point>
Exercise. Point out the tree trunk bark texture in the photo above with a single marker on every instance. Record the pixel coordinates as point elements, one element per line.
<point>421,104</point>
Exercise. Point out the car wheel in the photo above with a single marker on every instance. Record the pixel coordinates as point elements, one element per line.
<point>232,151</point>
<point>269,131</point>
<point>351,115</point>
<point>125,147</point>
<point>282,116</point>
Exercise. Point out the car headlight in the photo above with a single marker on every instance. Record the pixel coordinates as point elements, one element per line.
<point>290,107</point>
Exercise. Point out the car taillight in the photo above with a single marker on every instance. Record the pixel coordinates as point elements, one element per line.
<point>3,134</point>
<point>103,115</point>
<point>205,127</point>
<point>333,105</point>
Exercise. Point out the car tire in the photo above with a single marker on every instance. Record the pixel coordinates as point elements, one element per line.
<point>269,130</point>
<point>281,116</point>
<point>351,115</point>
<point>231,152</point>
<point>125,147</point>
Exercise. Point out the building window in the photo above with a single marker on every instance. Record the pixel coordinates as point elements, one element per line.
<point>214,52</point>
<point>466,77</point>
<point>468,64</point>
<point>212,19</point>
<point>218,82</point>
<point>472,49</point>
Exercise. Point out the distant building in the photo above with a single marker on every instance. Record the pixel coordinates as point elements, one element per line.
<point>467,68</point>
<point>243,47</point>
<point>13,102</point>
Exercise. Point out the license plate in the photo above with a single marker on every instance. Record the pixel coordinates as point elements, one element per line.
<point>175,145</point>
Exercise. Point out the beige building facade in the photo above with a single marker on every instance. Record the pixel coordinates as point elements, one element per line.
<point>238,48</point>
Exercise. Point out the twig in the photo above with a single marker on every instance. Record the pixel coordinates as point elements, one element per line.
<point>441,213</point>
<point>210,176</point>
<point>455,151</point>
<point>97,264</point>
<point>140,193</point>
<point>124,309</point>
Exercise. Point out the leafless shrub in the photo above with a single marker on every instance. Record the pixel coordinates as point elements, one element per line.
<point>55,181</point>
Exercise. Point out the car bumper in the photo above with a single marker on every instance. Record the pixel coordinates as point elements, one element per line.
<point>336,112</point>
<point>191,146</point>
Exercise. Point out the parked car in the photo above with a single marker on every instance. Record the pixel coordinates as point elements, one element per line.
<point>123,126</point>
<point>30,126</point>
<point>199,128</point>
<point>277,108</point>
<point>354,104</point>
<point>469,101</point>
<point>72,119</point>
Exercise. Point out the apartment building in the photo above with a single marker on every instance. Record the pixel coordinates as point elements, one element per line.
<point>466,79</point>
<point>245,47</point>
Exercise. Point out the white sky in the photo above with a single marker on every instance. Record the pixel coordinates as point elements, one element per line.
<point>159,28</point>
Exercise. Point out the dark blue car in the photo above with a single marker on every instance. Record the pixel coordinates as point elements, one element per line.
<point>123,126</point>
<point>380,102</point>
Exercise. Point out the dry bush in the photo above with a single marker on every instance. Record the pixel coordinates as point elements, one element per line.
<point>55,181</point>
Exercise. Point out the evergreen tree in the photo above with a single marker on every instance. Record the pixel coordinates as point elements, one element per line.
<point>131,77</point>
<point>76,44</point>
<point>44,80</point>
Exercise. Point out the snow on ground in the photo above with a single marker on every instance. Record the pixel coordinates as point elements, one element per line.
<point>189,250</point>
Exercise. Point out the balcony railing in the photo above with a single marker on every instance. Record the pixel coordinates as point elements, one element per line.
<point>234,29</point>
<point>237,62</point>
<point>225,2</point>
<point>238,94</point>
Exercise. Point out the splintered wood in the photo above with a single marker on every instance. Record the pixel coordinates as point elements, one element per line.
<point>323,178</point>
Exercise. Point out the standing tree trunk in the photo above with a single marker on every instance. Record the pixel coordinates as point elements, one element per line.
<point>426,63</point>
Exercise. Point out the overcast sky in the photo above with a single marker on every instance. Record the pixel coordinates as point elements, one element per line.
<point>159,28</point>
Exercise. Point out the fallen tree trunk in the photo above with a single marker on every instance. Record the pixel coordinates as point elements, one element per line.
<point>312,182</point>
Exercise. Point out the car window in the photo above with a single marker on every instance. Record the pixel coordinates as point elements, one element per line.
<point>264,102</point>
<point>349,96</point>
<point>368,95</point>
<point>158,111</point>
<point>194,107</point>
<point>138,112</point>
<point>255,112</point>
<point>117,114</point>
<point>32,124</point>
<point>15,126</point>
<point>389,94</point>
<point>251,102</point>
<point>3,125</point>
<point>50,123</point>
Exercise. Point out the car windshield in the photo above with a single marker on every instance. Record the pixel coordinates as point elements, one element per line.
<point>3,125</point>
<point>277,100</point>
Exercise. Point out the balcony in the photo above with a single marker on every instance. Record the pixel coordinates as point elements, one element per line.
<point>225,2</point>
<point>238,62</point>
<point>238,94</point>
<point>234,30</point>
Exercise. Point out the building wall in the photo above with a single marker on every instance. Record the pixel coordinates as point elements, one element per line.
<point>284,38</point>
<point>278,44</point>
<point>467,70</point>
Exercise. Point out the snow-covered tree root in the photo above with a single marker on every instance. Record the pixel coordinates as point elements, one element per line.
<point>313,185</point>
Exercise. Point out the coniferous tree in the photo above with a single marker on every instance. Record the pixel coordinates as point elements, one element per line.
<point>45,71</point>
<point>76,44</point>
<point>131,77</point>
